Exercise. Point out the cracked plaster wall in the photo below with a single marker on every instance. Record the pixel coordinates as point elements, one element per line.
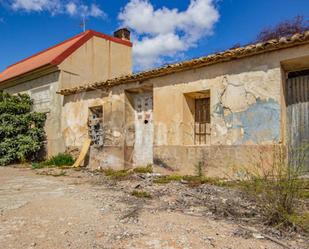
<point>245,113</point>
<point>245,104</point>
<point>248,109</point>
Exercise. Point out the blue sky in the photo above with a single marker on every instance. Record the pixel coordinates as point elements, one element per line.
<point>163,31</point>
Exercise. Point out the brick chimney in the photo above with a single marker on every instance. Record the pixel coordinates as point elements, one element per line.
<point>123,33</point>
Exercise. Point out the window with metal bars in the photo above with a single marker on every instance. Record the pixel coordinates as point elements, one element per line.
<point>202,121</point>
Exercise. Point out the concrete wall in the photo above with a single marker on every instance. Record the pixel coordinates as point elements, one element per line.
<point>97,60</point>
<point>43,91</point>
<point>247,115</point>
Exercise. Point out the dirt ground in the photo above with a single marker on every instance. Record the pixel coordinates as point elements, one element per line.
<point>80,209</point>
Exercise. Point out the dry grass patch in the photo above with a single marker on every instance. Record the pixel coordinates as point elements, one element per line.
<point>192,181</point>
<point>141,194</point>
<point>143,170</point>
<point>278,189</point>
<point>167,179</point>
<point>117,174</point>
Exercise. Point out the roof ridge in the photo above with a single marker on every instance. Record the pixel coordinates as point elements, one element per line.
<point>55,54</point>
<point>227,55</point>
<point>84,38</point>
<point>47,49</point>
<point>110,38</point>
<point>88,35</point>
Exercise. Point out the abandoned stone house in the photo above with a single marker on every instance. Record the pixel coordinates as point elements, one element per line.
<point>89,56</point>
<point>222,111</point>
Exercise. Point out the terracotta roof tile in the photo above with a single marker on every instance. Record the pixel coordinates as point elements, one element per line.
<point>228,55</point>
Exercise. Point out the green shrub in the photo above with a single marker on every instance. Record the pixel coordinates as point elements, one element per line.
<point>21,131</point>
<point>62,159</point>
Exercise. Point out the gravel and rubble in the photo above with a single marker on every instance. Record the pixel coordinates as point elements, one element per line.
<point>82,209</point>
<point>204,200</point>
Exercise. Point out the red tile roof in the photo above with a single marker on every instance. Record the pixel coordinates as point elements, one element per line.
<point>54,55</point>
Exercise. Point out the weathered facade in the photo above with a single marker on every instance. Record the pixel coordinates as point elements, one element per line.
<point>223,111</point>
<point>90,56</point>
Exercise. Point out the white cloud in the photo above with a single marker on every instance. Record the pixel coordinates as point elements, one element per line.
<point>93,10</point>
<point>161,34</point>
<point>72,7</point>
<point>36,5</point>
<point>148,50</point>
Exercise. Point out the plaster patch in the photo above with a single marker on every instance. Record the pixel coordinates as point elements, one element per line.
<point>234,98</point>
<point>116,134</point>
<point>221,129</point>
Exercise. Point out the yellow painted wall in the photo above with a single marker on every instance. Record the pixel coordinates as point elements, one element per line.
<point>97,60</point>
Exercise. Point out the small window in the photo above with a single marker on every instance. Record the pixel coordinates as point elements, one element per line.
<point>202,121</point>
<point>95,123</point>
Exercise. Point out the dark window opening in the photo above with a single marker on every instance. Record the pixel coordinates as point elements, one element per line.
<point>202,121</point>
<point>297,87</point>
<point>95,123</point>
<point>298,73</point>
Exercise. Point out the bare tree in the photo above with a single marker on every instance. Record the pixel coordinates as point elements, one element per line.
<point>285,28</point>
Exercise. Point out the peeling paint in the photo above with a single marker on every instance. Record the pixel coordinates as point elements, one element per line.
<point>260,122</point>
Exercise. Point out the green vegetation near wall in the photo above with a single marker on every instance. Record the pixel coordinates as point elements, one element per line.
<point>21,131</point>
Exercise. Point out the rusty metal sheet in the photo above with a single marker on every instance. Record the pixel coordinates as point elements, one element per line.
<point>297,96</point>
